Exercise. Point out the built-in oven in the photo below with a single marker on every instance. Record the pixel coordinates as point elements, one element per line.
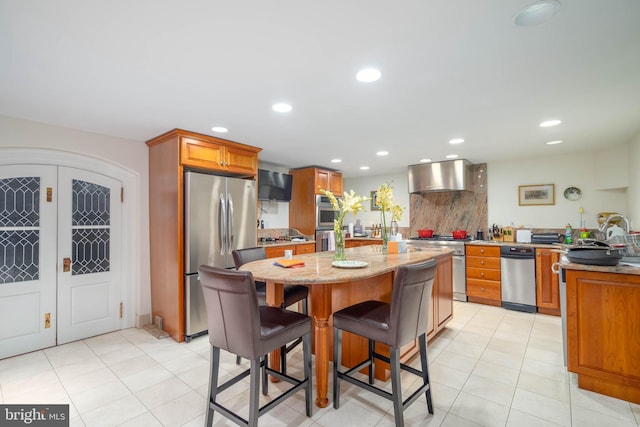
<point>325,213</point>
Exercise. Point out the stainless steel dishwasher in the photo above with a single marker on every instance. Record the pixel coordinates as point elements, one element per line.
<point>518,278</point>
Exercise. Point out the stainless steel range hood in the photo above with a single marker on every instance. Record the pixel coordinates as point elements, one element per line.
<point>450,175</point>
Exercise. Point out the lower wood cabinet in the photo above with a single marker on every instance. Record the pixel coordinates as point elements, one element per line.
<point>603,338</point>
<point>483,274</point>
<point>547,282</point>
<point>354,243</point>
<point>298,249</point>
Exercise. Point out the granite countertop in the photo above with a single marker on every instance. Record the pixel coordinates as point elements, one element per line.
<point>621,268</point>
<point>559,246</point>
<point>318,267</point>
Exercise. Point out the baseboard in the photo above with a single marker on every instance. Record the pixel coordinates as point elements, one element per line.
<point>142,320</point>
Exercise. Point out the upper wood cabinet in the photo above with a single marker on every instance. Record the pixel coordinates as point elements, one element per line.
<point>329,180</point>
<point>211,153</point>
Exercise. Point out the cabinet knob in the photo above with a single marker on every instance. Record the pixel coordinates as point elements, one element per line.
<point>481,262</point>
<point>482,274</point>
<point>481,251</point>
<point>482,289</point>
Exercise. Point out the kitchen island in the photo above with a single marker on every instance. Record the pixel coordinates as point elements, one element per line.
<point>334,288</point>
<point>603,328</point>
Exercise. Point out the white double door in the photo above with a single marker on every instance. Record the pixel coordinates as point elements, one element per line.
<point>60,256</point>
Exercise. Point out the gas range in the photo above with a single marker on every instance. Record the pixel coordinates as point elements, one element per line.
<point>441,238</point>
<point>457,245</point>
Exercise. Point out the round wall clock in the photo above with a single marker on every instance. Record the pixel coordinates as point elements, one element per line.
<point>572,193</point>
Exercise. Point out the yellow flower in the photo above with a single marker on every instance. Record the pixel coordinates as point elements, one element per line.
<point>384,199</point>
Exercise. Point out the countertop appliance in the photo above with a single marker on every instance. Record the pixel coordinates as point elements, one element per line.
<point>458,258</point>
<point>518,278</point>
<point>220,216</point>
<point>547,238</point>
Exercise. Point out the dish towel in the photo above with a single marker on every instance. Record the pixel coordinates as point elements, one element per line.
<point>332,241</point>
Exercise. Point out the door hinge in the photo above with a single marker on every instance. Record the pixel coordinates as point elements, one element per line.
<point>47,320</point>
<point>49,194</point>
<point>121,194</point>
<point>121,310</point>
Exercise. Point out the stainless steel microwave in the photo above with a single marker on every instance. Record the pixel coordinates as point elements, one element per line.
<point>325,213</point>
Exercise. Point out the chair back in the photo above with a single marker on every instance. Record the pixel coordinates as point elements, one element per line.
<point>409,313</point>
<point>244,256</point>
<point>233,315</point>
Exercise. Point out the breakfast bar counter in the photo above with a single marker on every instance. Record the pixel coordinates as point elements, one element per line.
<point>368,274</point>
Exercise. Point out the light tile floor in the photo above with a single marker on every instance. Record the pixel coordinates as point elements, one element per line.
<point>490,367</point>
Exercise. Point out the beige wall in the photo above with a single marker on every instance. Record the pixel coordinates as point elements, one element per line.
<point>128,154</point>
<point>633,192</point>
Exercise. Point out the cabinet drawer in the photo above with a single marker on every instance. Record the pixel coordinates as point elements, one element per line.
<point>483,262</point>
<point>484,289</point>
<point>486,251</point>
<point>278,251</point>
<point>483,273</point>
<point>305,248</point>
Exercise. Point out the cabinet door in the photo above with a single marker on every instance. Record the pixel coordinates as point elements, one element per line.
<point>202,154</point>
<point>547,286</point>
<point>444,291</point>
<point>322,180</point>
<point>278,251</point>
<point>335,183</point>
<point>241,161</point>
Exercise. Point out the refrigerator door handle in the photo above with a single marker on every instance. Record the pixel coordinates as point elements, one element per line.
<point>230,227</point>
<point>222,225</point>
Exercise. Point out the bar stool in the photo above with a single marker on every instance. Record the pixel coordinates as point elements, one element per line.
<point>239,325</point>
<point>292,293</point>
<point>394,324</point>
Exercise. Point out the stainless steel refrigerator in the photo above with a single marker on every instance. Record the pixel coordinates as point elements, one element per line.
<point>220,216</point>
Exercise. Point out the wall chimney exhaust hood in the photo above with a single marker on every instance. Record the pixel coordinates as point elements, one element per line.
<point>450,175</point>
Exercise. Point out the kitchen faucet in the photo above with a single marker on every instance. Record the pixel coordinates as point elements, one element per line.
<point>627,225</point>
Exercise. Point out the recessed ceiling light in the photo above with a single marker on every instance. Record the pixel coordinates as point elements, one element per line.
<point>336,160</point>
<point>368,75</point>
<point>219,129</point>
<point>425,160</point>
<point>536,13</point>
<point>282,107</point>
<point>456,141</point>
<point>364,168</point>
<point>554,142</point>
<point>382,153</point>
<point>549,123</point>
<point>451,156</point>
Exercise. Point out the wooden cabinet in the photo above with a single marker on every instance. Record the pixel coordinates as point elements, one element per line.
<point>483,274</point>
<point>329,180</point>
<point>218,155</point>
<point>170,155</point>
<point>302,208</point>
<point>603,343</point>
<point>547,283</point>
<point>354,243</point>
<point>298,249</point>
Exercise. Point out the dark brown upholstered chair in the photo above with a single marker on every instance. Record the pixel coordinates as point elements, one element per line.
<point>394,324</point>
<point>239,325</point>
<point>292,293</point>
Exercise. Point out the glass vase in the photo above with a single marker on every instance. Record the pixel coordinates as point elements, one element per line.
<point>339,254</point>
<point>385,234</point>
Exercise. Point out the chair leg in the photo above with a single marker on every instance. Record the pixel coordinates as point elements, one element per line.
<point>308,391</point>
<point>372,366</point>
<point>337,358</point>
<point>283,359</point>
<point>396,388</point>
<point>425,370</point>
<point>265,376</point>
<point>254,391</point>
<point>305,308</point>
<point>213,384</point>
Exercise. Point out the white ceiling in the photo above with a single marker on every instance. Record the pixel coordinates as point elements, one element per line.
<point>450,68</point>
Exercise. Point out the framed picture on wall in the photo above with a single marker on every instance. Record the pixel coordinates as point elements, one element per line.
<point>374,195</point>
<point>531,195</point>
